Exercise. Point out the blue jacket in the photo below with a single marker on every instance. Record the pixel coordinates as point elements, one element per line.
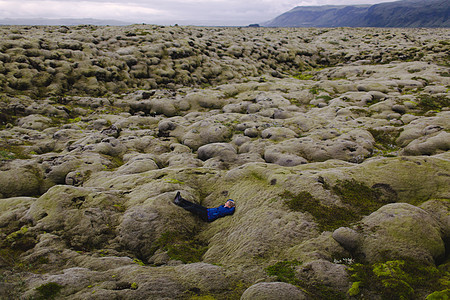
<point>218,212</point>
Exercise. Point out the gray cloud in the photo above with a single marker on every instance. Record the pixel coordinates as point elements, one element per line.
<point>195,12</point>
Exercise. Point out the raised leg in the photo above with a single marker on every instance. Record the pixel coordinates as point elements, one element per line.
<point>194,208</point>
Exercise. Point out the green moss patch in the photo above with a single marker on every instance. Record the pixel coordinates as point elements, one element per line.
<point>303,76</point>
<point>440,295</point>
<point>49,290</point>
<point>385,141</point>
<point>362,199</point>
<point>433,102</point>
<point>327,217</point>
<point>397,279</point>
<point>116,162</point>
<point>9,152</point>
<point>16,242</point>
<point>326,98</point>
<point>359,200</point>
<point>6,155</point>
<point>17,234</point>
<point>284,271</point>
<point>184,247</point>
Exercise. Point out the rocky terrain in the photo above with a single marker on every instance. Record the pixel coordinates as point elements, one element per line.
<point>334,143</point>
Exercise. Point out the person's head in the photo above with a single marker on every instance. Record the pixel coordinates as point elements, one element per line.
<point>230,203</point>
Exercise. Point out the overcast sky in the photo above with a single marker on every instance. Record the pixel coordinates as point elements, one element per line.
<point>163,12</point>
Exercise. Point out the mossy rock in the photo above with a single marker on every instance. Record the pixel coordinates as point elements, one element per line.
<point>273,291</point>
<point>206,132</point>
<point>439,209</point>
<point>439,295</point>
<point>226,152</point>
<point>401,230</point>
<point>86,218</point>
<point>413,179</point>
<point>36,122</point>
<point>21,181</point>
<point>429,145</point>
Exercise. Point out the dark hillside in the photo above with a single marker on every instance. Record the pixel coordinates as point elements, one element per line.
<point>409,14</point>
<point>406,13</point>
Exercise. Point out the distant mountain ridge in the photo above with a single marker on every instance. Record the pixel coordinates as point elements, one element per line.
<point>406,13</point>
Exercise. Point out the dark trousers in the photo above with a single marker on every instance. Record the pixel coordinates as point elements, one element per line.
<point>194,208</point>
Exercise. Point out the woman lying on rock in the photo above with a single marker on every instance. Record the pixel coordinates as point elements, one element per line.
<point>206,214</point>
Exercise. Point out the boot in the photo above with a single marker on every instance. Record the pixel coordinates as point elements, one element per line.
<point>178,198</point>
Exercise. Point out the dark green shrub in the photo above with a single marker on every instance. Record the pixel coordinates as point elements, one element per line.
<point>362,199</point>
<point>49,290</point>
<point>398,279</point>
<point>385,140</point>
<point>433,102</point>
<point>284,271</point>
<point>184,247</point>
<point>327,217</point>
<point>5,155</point>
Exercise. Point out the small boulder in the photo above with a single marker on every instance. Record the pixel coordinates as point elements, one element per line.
<point>110,146</point>
<point>347,237</point>
<point>427,145</point>
<point>139,164</point>
<point>205,132</point>
<point>224,151</point>
<point>273,291</point>
<point>278,133</point>
<point>112,131</point>
<point>163,107</point>
<point>251,132</point>
<point>325,273</point>
<point>203,100</point>
<point>206,277</point>
<point>20,180</point>
<point>274,155</point>
<point>36,122</point>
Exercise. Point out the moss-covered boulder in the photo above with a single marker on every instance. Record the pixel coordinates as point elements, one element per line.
<point>138,164</point>
<point>223,151</point>
<point>272,291</point>
<point>429,145</point>
<point>84,217</point>
<point>20,179</point>
<point>278,133</point>
<point>73,168</point>
<point>11,212</point>
<point>439,209</point>
<point>36,122</point>
<point>207,277</point>
<point>205,132</point>
<point>399,231</point>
